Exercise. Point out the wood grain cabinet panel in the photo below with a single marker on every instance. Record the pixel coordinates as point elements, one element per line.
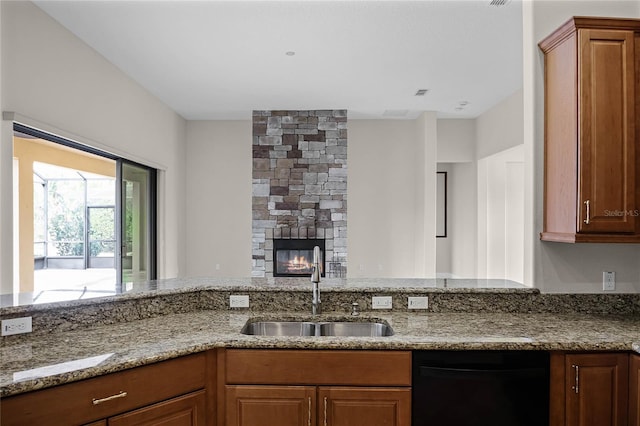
<point>592,167</point>
<point>187,410</point>
<point>634,390</point>
<point>101,397</point>
<point>596,389</point>
<point>270,405</point>
<point>350,406</point>
<point>315,387</point>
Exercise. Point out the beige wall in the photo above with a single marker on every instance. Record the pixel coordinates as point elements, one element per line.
<point>391,229</point>
<point>55,82</point>
<point>26,152</point>
<point>567,268</point>
<point>218,197</point>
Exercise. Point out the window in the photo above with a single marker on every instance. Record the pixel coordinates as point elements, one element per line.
<point>89,228</point>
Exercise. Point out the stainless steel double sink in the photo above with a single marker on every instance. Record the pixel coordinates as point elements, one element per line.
<point>321,328</point>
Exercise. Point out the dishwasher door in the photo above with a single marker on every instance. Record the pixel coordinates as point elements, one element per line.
<point>480,388</point>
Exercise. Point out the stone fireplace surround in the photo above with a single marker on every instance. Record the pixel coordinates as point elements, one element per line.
<point>299,183</point>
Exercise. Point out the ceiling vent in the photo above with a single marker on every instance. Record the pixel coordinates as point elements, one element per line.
<point>422,92</point>
<point>499,3</point>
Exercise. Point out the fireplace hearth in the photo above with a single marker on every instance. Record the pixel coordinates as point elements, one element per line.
<point>294,258</point>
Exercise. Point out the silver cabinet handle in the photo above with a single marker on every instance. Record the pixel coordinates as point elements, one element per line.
<point>576,386</point>
<point>122,394</point>
<point>309,414</point>
<point>325,411</point>
<point>588,219</point>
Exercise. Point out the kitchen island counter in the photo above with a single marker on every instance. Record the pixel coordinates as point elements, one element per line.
<point>40,361</point>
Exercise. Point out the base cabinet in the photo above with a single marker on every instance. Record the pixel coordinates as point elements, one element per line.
<point>309,388</point>
<point>589,389</point>
<point>167,393</point>
<point>309,405</point>
<point>344,406</point>
<point>634,390</point>
<point>187,410</point>
<point>270,405</point>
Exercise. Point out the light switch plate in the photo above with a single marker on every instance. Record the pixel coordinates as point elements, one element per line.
<point>239,301</point>
<point>418,302</point>
<point>381,302</point>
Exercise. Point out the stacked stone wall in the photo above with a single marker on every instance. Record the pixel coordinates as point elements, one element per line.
<point>299,182</point>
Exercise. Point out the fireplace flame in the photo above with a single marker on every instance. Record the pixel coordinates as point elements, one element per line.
<point>298,264</point>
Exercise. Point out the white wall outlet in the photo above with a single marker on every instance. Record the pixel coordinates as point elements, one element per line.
<point>418,302</point>
<point>608,281</point>
<point>236,301</point>
<point>16,326</point>
<point>381,302</point>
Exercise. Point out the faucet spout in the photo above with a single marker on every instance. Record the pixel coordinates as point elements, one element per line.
<point>316,304</point>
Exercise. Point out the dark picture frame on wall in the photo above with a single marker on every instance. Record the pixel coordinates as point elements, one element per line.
<point>441,205</point>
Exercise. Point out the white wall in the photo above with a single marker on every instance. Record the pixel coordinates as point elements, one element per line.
<point>568,268</point>
<point>218,197</point>
<point>391,229</point>
<point>501,127</point>
<point>55,82</point>
<point>456,140</point>
<point>463,218</point>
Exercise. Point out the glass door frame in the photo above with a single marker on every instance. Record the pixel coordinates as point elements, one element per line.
<point>151,226</point>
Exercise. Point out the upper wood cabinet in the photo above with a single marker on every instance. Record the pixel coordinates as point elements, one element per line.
<point>591,162</point>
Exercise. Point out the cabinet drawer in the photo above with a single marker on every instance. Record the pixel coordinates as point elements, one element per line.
<point>329,367</point>
<point>75,403</point>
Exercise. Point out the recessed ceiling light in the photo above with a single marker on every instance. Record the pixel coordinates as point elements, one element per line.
<point>463,103</point>
<point>421,92</point>
<point>290,53</point>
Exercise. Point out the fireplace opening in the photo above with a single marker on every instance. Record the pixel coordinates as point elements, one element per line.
<point>294,258</point>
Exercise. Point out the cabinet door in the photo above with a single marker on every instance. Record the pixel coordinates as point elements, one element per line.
<point>270,405</point>
<point>607,162</point>
<point>351,406</point>
<point>634,390</point>
<point>187,410</point>
<point>597,389</point>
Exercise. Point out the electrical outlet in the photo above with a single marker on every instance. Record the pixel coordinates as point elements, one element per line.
<point>16,326</point>
<point>239,301</point>
<point>608,281</point>
<point>418,303</point>
<point>381,302</point>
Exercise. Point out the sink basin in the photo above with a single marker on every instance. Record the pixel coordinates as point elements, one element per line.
<point>325,328</point>
<point>279,328</point>
<point>355,329</point>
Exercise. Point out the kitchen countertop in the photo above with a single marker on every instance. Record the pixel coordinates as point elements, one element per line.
<point>66,356</point>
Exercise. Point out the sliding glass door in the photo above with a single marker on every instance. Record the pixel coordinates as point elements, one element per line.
<point>137,223</point>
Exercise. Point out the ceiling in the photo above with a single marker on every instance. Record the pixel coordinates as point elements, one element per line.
<point>216,60</point>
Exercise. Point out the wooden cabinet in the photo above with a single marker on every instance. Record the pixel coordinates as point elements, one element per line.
<point>310,405</point>
<point>634,390</point>
<point>592,163</point>
<point>307,388</point>
<point>270,405</point>
<point>589,389</point>
<point>350,406</point>
<point>173,389</point>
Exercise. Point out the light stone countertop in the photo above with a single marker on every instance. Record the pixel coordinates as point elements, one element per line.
<point>67,356</point>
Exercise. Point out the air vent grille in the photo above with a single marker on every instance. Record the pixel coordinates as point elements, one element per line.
<point>499,2</point>
<point>422,92</point>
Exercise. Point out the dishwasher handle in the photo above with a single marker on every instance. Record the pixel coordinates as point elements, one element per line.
<point>459,372</point>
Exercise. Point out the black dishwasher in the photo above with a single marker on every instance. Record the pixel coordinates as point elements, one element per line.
<point>480,388</point>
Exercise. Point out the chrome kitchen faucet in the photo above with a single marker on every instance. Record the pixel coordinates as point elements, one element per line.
<point>316,304</point>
